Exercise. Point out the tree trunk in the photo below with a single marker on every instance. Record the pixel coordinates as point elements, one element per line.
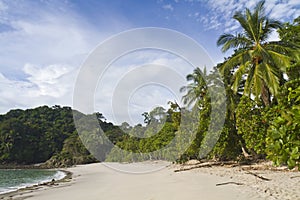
<point>265,95</point>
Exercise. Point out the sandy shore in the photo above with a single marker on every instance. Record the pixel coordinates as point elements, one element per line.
<point>158,181</point>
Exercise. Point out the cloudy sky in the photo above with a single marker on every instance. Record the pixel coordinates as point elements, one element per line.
<point>43,44</point>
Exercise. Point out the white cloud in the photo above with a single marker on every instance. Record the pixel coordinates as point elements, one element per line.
<point>274,36</point>
<point>293,2</point>
<point>42,51</point>
<point>54,40</point>
<point>125,86</point>
<point>3,6</point>
<point>168,7</point>
<point>146,98</point>
<point>221,12</point>
<point>48,85</point>
<point>51,80</point>
<point>282,10</point>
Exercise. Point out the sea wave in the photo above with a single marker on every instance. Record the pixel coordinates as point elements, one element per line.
<point>29,182</point>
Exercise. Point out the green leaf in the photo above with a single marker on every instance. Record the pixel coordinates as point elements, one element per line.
<point>291,163</point>
<point>295,150</point>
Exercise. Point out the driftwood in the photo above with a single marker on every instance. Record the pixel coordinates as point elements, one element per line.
<point>258,176</point>
<point>295,177</point>
<point>226,183</point>
<point>263,167</point>
<point>207,164</point>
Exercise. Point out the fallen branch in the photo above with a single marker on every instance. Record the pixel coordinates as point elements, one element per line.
<point>206,164</point>
<point>219,184</point>
<point>258,176</point>
<point>295,177</point>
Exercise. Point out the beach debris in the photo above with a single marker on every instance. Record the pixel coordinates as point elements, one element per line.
<point>231,182</point>
<point>207,164</point>
<point>295,177</point>
<point>258,176</point>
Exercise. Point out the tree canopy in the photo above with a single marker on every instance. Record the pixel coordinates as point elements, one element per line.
<point>258,61</point>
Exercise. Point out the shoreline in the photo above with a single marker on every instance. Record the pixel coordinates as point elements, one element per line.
<point>35,187</point>
<point>103,181</point>
<point>22,167</point>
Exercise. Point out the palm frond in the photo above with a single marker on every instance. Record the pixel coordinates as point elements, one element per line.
<point>271,76</point>
<point>234,62</point>
<point>260,62</point>
<point>259,9</point>
<point>257,83</point>
<point>249,82</point>
<point>242,19</point>
<point>230,41</point>
<point>196,90</point>
<point>280,60</point>
<point>238,75</point>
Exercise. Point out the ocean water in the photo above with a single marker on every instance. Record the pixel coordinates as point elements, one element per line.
<point>14,179</point>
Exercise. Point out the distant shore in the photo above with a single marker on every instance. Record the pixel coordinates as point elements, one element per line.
<point>117,181</point>
<point>18,166</point>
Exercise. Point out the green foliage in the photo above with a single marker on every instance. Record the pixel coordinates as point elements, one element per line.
<point>291,33</point>
<point>228,146</point>
<point>270,124</point>
<point>34,135</point>
<point>197,89</point>
<point>261,127</point>
<point>196,149</point>
<point>144,142</point>
<point>211,142</point>
<point>283,140</point>
<point>251,125</point>
<point>37,135</point>
<point>258,64</point>
<point>73,152</point>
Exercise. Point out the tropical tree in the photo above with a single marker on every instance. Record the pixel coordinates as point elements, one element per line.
<point>257,62</point>
<point>197,89</point>
<point>283,136</point>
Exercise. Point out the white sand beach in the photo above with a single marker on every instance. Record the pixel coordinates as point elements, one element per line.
<point>98,181</point>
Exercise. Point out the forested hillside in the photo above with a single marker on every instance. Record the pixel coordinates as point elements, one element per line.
<point>37,135</point>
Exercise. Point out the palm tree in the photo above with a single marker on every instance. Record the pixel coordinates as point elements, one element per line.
<point>258,63</point>
<point>197,89</point>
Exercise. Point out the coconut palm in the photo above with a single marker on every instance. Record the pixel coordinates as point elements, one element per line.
<point>257,64</point>
<point>197,89</point>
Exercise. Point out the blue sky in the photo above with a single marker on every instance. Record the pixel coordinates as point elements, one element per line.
<point>43,43</point>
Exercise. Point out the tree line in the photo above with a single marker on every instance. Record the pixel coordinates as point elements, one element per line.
<point>44,135</point>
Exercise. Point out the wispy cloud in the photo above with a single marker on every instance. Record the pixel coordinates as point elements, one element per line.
<point>221,12</point>
<point>43,86</point>
<point>168,7</point>
<point>53,80</point>
<point>3,6</point>
<point>44,52</point>
<point>120,94</point>
<point>41,52</point>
